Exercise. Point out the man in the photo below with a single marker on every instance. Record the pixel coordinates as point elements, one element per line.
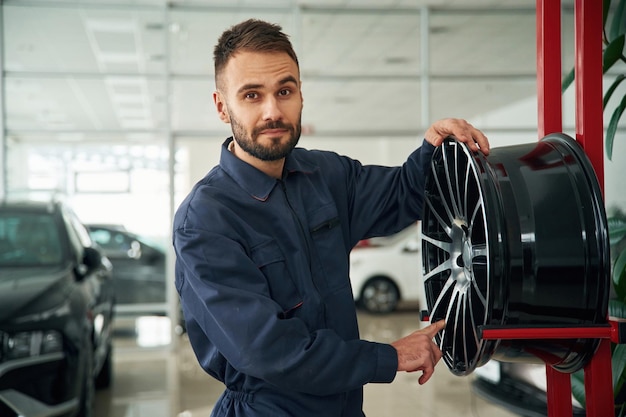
<point>263,245</point>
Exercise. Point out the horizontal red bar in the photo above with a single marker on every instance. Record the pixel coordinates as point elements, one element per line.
<point>618,329</point>
<point>497,332</point>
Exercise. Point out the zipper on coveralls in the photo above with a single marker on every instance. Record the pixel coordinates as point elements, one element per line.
<point>309,253</point>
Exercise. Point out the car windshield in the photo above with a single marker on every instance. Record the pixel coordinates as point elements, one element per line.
<point>117,239</point>
<point>29,239</point>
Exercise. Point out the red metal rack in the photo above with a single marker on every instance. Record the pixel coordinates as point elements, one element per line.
<point>598,380</point>
<point>590,134</point>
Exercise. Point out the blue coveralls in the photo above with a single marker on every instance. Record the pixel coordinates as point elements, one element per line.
<point>262,269</point>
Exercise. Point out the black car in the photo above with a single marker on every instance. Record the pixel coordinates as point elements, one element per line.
<point>138,266</point>
<point>56,312</point>
<point>519,387</point>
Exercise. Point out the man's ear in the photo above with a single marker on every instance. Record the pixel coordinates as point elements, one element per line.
<point>220,106</point>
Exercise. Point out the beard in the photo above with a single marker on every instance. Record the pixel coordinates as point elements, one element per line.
<point>276,150</point>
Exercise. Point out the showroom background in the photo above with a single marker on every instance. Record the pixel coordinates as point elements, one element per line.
<point>108,103</point>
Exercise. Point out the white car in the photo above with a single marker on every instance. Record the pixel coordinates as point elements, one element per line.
<point>385,270</point>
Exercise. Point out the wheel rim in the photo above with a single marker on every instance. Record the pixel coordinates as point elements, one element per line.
<point>380,296</point>
<point>517,238</point>
<point>456,252</point>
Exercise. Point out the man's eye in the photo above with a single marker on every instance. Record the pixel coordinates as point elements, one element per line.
<point>284,92</point>
<point>252,95</point>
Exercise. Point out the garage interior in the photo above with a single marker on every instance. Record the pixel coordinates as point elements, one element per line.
<point>108,104</point>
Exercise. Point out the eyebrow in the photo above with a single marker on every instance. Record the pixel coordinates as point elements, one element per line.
<point>286,80</point>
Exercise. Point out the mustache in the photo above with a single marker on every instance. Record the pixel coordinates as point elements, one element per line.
<point>272,125</point>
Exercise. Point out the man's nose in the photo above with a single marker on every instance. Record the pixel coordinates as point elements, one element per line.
<point>271,109</point>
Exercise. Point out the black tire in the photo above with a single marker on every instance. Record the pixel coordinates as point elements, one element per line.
<point>88,392</point>
<point>105,376</point>
<point>380,295</point>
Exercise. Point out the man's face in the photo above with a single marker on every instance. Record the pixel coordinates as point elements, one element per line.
<point>259,95</point>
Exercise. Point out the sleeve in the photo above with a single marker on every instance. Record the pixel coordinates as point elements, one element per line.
<point>383,200</point>
<point>226,294</point>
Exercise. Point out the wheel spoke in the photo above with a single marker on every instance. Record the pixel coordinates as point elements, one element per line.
<point>446,316</point>
<point>464,306</point>
<point>457,334</point>
<point>445,226</point>
<point>473,320</point>
<point>457,156</point>
<point>449,284</point>
<point>477,209</point>
<point>453,202</point>
<point>479,293</point>
<point>444,202</point>
<point>466,183</point>
<point>444,266</point>
<point>446,246</point>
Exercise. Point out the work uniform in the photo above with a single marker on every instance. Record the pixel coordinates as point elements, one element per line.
<point>262,268</point>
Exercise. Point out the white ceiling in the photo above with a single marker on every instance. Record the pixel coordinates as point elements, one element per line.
<point>103,71</point>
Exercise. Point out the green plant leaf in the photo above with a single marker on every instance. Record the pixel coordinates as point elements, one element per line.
<point>617,230</point>
<point>568,80</point>
<point>617,308</point>
<point>618,366</point>
<point>606,5</point>
<point>619,275</point>
<point>578,386</point>
<point>612,53</point>
<point>612,89</point>
<point>612,127</point>
<point>618,24</point>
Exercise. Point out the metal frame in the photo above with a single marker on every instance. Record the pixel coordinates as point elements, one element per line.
<point>589,133</point>
<point>598,384</point>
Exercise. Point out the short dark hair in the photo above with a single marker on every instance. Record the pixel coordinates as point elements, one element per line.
<point>251,35</point>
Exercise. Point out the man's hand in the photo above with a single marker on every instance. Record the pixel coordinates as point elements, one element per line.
<point>461,130</point>
<point>418,352</point>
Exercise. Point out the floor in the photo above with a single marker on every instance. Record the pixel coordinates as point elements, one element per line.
<point>163,379</point>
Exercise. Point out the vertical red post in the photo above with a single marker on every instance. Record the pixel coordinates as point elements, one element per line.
<point>559,393</point>
<point>549,67</point>
<point>590,134</point>
<point>598,383</point>
<point>588,70</point>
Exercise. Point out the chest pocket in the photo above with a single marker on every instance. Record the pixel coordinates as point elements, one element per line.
<point>327,236</point>
<point>271,262</point>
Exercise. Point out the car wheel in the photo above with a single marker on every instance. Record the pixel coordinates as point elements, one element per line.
<point>87,395</point>
<point>511,240</point>
<point>380,295</point>
<point>105,376</point>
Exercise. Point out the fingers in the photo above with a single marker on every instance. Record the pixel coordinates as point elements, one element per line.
<point>434,353</point>
<point>475,140</point>
<point>418,352</point>
<point>434,328</point>
<point>426,374</point>
<point>428,366</point>
<point>461,130</point>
